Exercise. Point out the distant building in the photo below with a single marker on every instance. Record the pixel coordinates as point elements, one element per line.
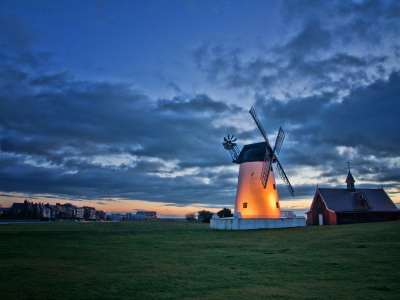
<point>138,217</point>
<point>23,210</point>
<point>147,215</point>
<point>45,212</point>
<point>116,217</point>
<point>80,213</point>
<point>61,211</point>
<point>53,211</point>
<point>5,212</point>
<point>89,213</point>
<point>343,206</point>
<point>100,215</point>
<point>70,210</point>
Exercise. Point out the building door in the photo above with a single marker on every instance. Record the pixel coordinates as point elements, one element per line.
<point>321,219</point>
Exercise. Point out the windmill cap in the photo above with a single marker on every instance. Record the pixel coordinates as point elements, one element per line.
<point>252,152</point>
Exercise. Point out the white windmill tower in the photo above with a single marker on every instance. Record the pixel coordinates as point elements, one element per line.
<point>255,199</point>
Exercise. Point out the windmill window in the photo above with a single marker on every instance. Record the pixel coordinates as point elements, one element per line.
<point>277,204</point>
<point>245,205</point>
<point>274,186</point>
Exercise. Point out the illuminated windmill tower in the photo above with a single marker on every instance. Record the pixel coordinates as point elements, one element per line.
<point>257,198</point>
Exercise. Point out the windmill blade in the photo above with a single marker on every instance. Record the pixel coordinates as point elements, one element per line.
<point>257,121</point>
<point>283,176</point>
<point>266,169</point>
<point>279,140</point>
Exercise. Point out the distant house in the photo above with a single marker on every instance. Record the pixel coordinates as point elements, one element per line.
<point>61,211</point>
<point>45,212</point>
<point>23,210</point>
<point>343,206</point>
<point>70,210</point>
<point>5,212</point>
<point>53,211</point>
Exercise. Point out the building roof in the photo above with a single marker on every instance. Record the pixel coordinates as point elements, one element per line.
<point>350,178</point>
<point>252,152</point>
<point>345,200</point>
<point>18,206</point>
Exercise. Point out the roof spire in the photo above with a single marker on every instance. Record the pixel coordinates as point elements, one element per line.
<point>350,179</point>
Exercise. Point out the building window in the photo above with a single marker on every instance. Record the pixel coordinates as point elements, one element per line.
<point>245,205</point>
<point>274,186</point>
<point>272,168</point>
<point>277,204</point>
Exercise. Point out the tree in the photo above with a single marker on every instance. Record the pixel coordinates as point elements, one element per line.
<point>205,216</point>
<point>190,216</point>
<point>225,213</point>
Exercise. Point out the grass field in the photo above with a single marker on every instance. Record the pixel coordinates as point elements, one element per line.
<point>179,260</point>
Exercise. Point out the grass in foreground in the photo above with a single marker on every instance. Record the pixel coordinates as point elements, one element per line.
<point>358,261</point>
<point>100,226</point>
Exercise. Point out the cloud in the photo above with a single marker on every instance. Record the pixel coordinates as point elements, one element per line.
<point>330,47</point>
<point>97,140</point>
<point>332,82</point>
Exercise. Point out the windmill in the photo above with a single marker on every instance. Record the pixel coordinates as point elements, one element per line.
<point>255,199</point>
<point>229,144</point>
<point>270,156</point>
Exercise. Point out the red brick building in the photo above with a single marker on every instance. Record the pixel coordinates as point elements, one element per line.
<point>351,205</point>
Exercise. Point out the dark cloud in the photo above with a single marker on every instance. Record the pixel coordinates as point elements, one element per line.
<point>97,140</point>
<point>332,83</point>
<point>334,48</point>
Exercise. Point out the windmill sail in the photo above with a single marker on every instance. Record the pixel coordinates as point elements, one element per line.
<point>266,169</point>
<point>283,176</point>
<point>279,140</point>
<point>270,156</point>
<point>255,118</point>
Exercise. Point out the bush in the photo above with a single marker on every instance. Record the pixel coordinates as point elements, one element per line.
<point>205,216</point>
<point>225,213</point>
<point>190,217</point>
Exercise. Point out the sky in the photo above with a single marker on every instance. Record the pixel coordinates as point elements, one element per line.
<point>123,105</point>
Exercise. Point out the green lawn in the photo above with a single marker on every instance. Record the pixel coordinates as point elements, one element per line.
<point>101,226</point>
<point>88,261</point>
